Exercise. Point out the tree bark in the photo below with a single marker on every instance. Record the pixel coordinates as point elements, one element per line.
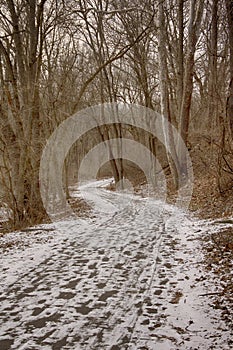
<point>196,12</point>
<point>164,99</point>
<point>24,110</point>
<point>229,105</point>
<point>213,96</point>
<point>180,78</point>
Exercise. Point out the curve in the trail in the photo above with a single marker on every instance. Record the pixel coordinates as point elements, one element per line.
<point>68,132</point>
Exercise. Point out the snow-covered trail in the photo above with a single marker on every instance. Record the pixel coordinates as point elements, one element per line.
<point>131,278</point>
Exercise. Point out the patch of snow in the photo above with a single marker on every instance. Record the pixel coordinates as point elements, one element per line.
<point>130,278</point>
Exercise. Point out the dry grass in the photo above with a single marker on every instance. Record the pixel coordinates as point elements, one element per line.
<point>218,249</point>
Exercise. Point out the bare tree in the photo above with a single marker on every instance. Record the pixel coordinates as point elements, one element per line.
<point>21,52</point>
<point>164,96</point>
<point>229,8</point>
<point>195,18</point>
<point>213,96</point>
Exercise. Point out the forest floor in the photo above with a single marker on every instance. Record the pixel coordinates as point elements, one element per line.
<point>215,208</point>
<point>216,211</point>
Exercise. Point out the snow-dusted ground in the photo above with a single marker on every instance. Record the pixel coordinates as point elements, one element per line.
<point>129,278</point>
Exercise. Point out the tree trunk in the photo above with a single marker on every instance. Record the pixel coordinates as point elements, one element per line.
<point>180,78</point>
<point>196,11</point>
<point>164,99</point>
<point>24,111</point>
<point>229,8</point>
<point>213,96</point>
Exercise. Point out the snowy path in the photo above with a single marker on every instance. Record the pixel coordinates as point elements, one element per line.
<point>128,279</point>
